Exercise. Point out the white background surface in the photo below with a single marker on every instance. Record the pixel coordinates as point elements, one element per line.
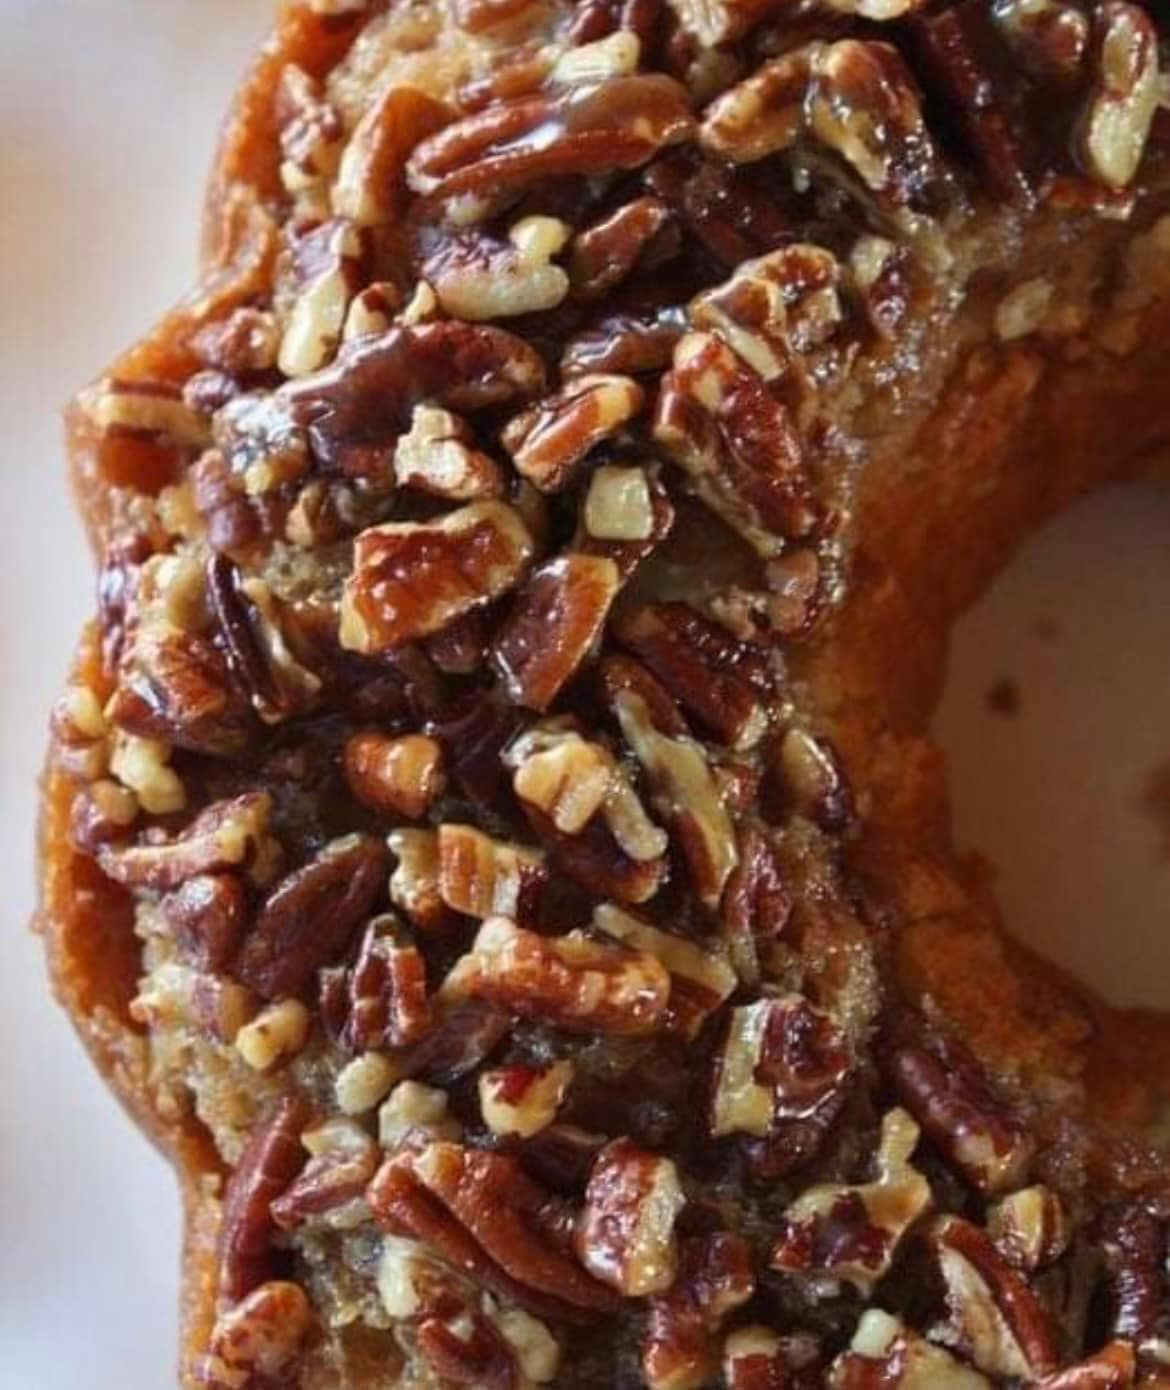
<point>108,110</point>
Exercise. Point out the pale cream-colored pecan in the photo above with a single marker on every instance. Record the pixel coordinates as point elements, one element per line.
<point>618,505</point>
<point>141,767</point>
<point>328,1191</point>
<point>151,410</point>
<point>1029,1227</point>
<point>329,271</point>
<point>438,455</point>
<point>554,625</point>
<point>946,1090</point>
<point>606,253</point>
<point>885,1352</point>
<point>684,792</point>
<point>364,1082</point>
<point>396,776</point>
<point>680,1348</point>
<point>813,780</point>
<point>414,884</point>
<point>411,578</point>
<point>753,1359</point>
<point>311,131</point>
<point>736,442</point>
<point>1049,37</point>
<point>756,906</point>
<point>478,277</point>
<point>616,55</point>
<point>372,311</point>
<point>569,981</point>
<point>549,442</point>
<point>275,1034</point>
<point>225,835</point>
<point>1023,309</point>
<point>369,186</point>
<point>775,309</point>
<point>414,1115</point>
<point>700,978</point>
<point>483,877</point>
<point>521,1099</point>
<point>714,677</point>
<point>993,1315</point>
<point>310,916</point>
<point>625,1231</point>
<point>879,278</point>
<point>853,1233</point>
<point>587,128</point>
<point>258,1339</point>
<point>1121,106</point>
<point>565,776</point>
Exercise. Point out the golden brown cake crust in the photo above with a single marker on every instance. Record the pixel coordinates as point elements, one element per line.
<point>961,475</point>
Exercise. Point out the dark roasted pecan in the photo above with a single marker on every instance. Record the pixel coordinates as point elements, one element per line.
<point>625,1231</point>
<point>594,19</point>
<point>342,1162</point>
<point>474,732</point>
<point>1111,1368</point>
<point>714,677</point>
<point>619,673</point>
<point>569,981</point>
<point>1049,37</point>
<point>225,835</point>
<point>1134,1245</point>
<point>1120,108</point>
<point>369,185</point>
<point>555,623</point>
<point>588,129</point>
<point>945,1089</point>
<point>718,21</point>
<point>736,442</point>
<point>355,409</point>
<point>463,1037</point>
<point>993,1315</point>
<point>310,916</point>
<point>624,343</point>
<point>101,814</point>
<point>117,589</point>
<point>207,915</point>
<point>483,877</point>
<point>756,906</point>
<point>241,344</point>
<point>604,254</point>
<point>253,1344</point>
<point>680,1349</point>
<point>887,1355</point>
<point>394,776</point>
<point>467,1349</point>
<point>853,1233</point>
<point>549,442</point>
<point>270,1161</point>
<point>411,579</point>
<point>388,1004</point>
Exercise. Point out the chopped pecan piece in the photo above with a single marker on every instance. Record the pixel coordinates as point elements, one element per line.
<point>394,776</point>
<point>753,1359</point>
<point>152,410</point>
<point>354,409</point>
<point>330,1187</point>
<point>1120,108</point>
<point>736,442</point>
<point>945,1089</point>
<point>627,515</point>
<point>464,1036</point>
<point>563,775</point>
<point>623,343</point>
<point>700,979</point>
<point>411,579</point>
<point>590,128</point>
<point>615,55</point>
<point>274,1035</point>
<point>813,780</point>
<point>1029,1227</point>
<point>885,1353</point>
<point>625,1232</point>
<point>605,254</point>
<point>756,906</point>
<point>764,113</point>
<point>329,268</point>
<point>1111,1368</point>
<point>714,677</point>
<point>685,793</point>
<point>437,455</point>
<point>521,1099</point>
<point>244,342</point>
<point>852,1233</point>
<point>1134,1246</point>
<point>414,884</point>
<point>569,981</point>
<point>369,187</point>
<point>310,916</point>
<point>482,877</point>
<point>555,623</point>
<point>414,1115</point>
<point>549,442</point>
<point>479,277</point>
<point>680,1350</point>
<point>714,22</point>
<point>993,1316</point>
<point>100,814</point>
<point>1049,37</point>
<point>225,835</point>
<point>310,129</point>
<point>255,1342</point>
<point>270,1161</point>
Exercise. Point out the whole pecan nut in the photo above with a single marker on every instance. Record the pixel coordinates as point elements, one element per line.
<point>625,1231</point>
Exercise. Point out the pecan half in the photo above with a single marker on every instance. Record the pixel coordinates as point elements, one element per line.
<point>310,916</point>
<point>736,443</point>
<point>556,621</point>
<point>256,1342</point>
<point>1120,108</point>
<point>1134,1245</point>
<point>483,877</point>
<point>549,442</point>
<point>478,277</point>
<point>388,1004</point>
<point>395,776</point>
<point>625,1232</point>
<point>569,981</point>
<point>625,343</point>
<point>465,1348</point>
<point>762,114</point>
<point>150,410</point>
<point>369,185</point>
<point>680,1348</point>
<point>464,1036</point>
<point>329,1188</point>
<point>756,906</point>
<point>853,1233</point>
<point>229,834</point>
<point>887,1355</point>
<point>993,1315</point>
<point>270,1161</point>
<point>944,1088</point>
<point>1111,1368</point>
<point>412,579</point>
<point>590,128</point>
<point>813,780</point>
<point>606,253</point>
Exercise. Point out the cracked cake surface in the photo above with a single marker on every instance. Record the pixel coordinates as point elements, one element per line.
<point>490,837</point>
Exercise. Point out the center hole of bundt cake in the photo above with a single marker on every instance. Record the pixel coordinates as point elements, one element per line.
<point>1056,723</point>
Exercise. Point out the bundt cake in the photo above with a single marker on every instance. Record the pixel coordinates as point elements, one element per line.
<point>491,838</point>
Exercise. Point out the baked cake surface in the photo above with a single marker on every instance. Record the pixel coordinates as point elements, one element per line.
<point>490,837</point>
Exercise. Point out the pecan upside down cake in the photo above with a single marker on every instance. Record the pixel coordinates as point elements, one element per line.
<point>490,837</point>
